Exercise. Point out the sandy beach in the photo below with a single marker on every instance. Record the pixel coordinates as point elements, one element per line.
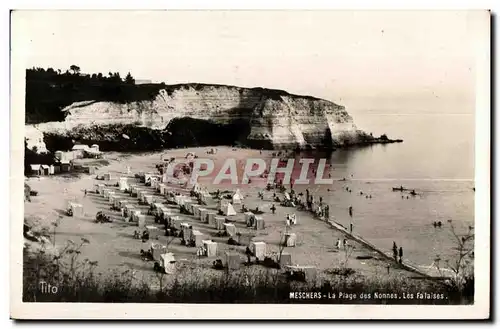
<point>112,244</point>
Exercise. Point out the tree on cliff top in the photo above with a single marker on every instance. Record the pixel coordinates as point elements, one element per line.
<point>75,69</point>
<point>129,79</point>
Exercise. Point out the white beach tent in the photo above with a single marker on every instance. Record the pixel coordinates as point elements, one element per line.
<point>168,262</point>
<point>227,209</point>
<point>237,197</point>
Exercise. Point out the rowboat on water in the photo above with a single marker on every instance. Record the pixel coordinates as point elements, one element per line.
<point>399,189</point>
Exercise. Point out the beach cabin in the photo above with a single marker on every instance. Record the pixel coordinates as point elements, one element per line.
<point>141,221</point>
<point>168,262</point>
<point>154,232</point>
<point>186,231</point>
<point>111,199</point>
<point>230,229</point>
<point>135,215</point>
<point>45,170</point>
<point>259,223</point>
<point>148,199</point>
<point>302,273</point>
<point>123,184</point>
<point>290,239</point>
<point>163,189</point>
<point>285,259</point>
<point>258,249</point>
<point>210,248</point>
<point>157,249</point>
<point>249,218</point>
<point>100,189</point>
<point>116,202</point>
<point>197,238</point>
<point>203,215</point>
<point>107,176</point>
<point>65,165</point>
<point>219,222</point>
<point>110,194</point>
<point>36,169</point>
<point>233,260</point>
<point>197,211</point>
<point>210,218</point>
<point>175,222</point>
<point>76,209</point>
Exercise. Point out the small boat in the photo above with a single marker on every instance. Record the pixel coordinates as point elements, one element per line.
<point>399,189</point>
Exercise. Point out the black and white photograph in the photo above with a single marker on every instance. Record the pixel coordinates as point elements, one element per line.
<point>250,164</point>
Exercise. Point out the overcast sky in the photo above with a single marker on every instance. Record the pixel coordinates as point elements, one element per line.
<point>328,54</point>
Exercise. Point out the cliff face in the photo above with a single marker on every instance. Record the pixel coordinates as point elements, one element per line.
<point>263,117</point>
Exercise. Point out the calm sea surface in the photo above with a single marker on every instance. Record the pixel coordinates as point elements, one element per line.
<point>436,159</point>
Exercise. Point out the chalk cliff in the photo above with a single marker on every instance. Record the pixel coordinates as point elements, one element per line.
<point>259,117</point>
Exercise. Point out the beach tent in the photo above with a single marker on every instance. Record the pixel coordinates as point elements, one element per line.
<point>258,249</point>
<point>168,262</point>
<point>107,176</point>
<point>233,260</point>
<point>230,229</point>
<point>197,237</point>
<point>100,188</point>
<point>153,231</point>
<point>237,197</point>
<point>111,199</point>
<point>210,248</point>
<point>219,222</point>
<point>227,209</point>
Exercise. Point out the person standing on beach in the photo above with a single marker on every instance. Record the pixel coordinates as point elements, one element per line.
<point>351,226</point>
<point>395,251</point>
<point>85,192</point>
<point>338,244</point>
<point>400,255</point>
<point>350,211</point>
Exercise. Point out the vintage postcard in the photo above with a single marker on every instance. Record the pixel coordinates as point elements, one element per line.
<point>250,164</point>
